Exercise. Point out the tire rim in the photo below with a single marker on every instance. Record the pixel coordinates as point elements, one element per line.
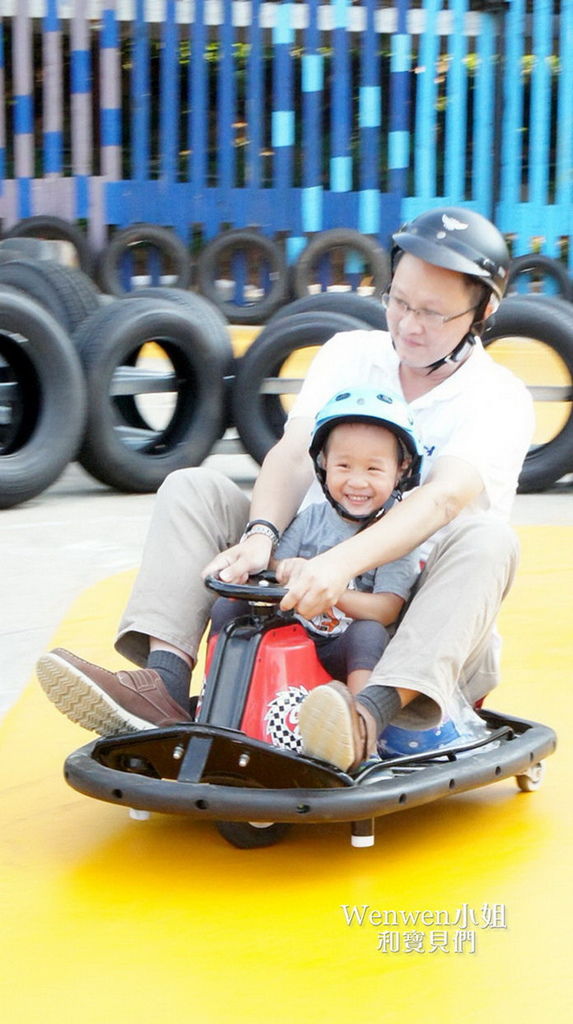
<point>153,397</point>
<point>19,397</point>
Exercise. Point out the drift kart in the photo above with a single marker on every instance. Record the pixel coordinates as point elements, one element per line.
<point>240,763</point>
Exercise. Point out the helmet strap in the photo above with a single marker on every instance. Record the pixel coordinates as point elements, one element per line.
<point>457,355</point>
<point>366,520</point>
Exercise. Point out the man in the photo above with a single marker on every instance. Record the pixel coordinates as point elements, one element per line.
<point>476,422</point>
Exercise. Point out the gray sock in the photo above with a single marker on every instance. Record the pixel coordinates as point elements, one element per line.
<point>382,702</point>
<point>175,673</point>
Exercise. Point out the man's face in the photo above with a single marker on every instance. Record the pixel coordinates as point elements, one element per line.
<point>427,289</point>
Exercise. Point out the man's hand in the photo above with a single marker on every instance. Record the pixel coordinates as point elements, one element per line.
<point>314,585</point>
<point>236,564</point>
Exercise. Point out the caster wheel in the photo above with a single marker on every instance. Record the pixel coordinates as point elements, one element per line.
<point>532,778</point>
<point>247,835</point>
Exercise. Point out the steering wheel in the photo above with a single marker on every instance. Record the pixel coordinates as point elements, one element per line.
<point>259,589</point>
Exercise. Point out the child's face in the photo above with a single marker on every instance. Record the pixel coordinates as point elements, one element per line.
<point>362,465</point>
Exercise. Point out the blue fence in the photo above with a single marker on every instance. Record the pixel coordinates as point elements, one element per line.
<point>297,117</point>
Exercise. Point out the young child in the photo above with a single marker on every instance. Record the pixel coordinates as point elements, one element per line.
<point>365,453</point>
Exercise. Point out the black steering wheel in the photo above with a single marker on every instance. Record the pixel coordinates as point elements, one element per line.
<point>261,588</point>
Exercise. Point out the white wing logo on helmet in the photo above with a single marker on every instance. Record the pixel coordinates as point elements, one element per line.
<point>451,224</point>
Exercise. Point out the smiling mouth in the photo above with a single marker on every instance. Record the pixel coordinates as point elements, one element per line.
<point>358,499</point>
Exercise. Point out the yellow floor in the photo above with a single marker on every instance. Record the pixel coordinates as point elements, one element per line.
<point>105,918</point>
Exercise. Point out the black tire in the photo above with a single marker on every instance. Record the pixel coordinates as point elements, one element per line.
<point>132,456</point>
<point>369,311</point>
<point>68,294</point>
<point>376,258</point>
<point>42,399</point>
<point>139,240</point>
<point>541,267</point>
<point>247,836</point>
<point>27,248</point>
<point>260,417</point>
<point>204,312</point>
<point>547,321</point>
<point>209,317</point>
<point>61,230</point>
<point>222,249</point>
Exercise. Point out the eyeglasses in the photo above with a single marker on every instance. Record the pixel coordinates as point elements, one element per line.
<point>426,317</point>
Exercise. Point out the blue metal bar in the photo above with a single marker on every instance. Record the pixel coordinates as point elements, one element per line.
<point>400,99</point>
<point>226,157</point>
<point>456,110</point>
<point>426,138</point>
<point>169,99</point>
<point>254,101</point>
<point>198,122</point>
<point>23,106</point>
<point>540,110</point>
<point>512,148</point>
<point>369,126</point>
<point>110,114</point>
<point>340,156</point>
<point>140,95</point>
<point>283,115</point>
<point>53,137</point>
<point>484,117</point>
<point>312,112</point>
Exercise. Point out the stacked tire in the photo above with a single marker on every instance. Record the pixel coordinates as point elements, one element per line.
<point>126,445</point>
<point>139,382</point>
<point>76,379</point>
<point>42,398</point>
<point>261,388</point>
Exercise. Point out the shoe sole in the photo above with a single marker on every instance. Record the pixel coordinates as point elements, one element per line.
<point>325,726</point>
<point>77,697</point>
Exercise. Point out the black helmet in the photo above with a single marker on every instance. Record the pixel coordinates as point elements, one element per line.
<point>458,239</point>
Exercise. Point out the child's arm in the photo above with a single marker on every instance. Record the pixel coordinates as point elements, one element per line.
<point>382,607</point>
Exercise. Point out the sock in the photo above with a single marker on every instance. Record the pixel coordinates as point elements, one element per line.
<point>382,702</point>
<point>175,673</point>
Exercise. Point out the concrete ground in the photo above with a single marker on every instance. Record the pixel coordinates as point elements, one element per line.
<point>79,532</point>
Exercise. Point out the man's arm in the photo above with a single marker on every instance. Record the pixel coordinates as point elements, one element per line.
<point>284,479</point>
<point>319,583</point>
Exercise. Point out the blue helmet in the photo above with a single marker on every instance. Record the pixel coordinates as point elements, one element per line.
<point>369,405</point>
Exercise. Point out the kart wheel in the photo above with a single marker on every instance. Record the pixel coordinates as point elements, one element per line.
<point>247,835</point>
<point>532,778</point>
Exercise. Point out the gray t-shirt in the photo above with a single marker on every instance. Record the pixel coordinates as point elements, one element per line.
<point>318,528</point>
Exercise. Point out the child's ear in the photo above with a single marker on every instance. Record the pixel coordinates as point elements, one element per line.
<point>402,470</point>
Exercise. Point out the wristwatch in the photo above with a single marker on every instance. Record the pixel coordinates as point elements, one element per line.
<point>261,526</point>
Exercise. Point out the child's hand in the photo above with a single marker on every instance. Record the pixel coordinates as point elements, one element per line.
<point>284,568</point>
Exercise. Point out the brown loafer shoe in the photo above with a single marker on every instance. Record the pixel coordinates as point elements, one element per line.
<point>333,727</point>
<point>108,703</point>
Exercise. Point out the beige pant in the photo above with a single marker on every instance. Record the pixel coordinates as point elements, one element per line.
<point>445,645</point>
<point>197,513</point>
